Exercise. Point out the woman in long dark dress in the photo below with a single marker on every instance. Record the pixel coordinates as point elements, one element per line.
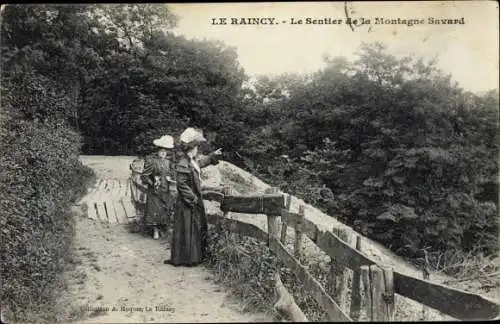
<point>158,176</point>
<point>190,228</point>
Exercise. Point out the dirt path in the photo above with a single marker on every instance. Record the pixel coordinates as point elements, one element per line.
<point>120,276</point>
<point>131,265</point>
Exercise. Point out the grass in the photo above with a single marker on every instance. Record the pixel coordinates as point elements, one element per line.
<point>247,267</point>
<point>471,271</point>
<point>232,260</point>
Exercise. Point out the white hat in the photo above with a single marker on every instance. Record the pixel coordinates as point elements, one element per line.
<point>190,135</point>
<point>165,141</point>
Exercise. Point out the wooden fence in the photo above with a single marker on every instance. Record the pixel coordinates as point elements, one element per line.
<point>373,286</point>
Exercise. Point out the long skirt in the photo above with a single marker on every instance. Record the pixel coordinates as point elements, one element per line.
<point>189,237</point>
<point>159,209</point>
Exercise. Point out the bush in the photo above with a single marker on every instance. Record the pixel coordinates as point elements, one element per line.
<point>40,178</point>
<point>424,199</point>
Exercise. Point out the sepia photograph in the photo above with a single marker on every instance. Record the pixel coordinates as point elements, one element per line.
<point>329,161</point>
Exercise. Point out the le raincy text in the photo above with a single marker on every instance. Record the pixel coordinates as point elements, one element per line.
<point>244,21</point>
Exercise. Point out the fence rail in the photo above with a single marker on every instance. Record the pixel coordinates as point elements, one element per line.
<point>373,284</point>
<point>451,301</point>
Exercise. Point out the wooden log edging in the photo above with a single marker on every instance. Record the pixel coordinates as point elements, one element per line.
<point>272,219</point>
<point>307,227</point>
<point>238,227</point>
<point>285,304</point>
<point>270,204</point>
<point>213,196</point>
<point>333,310</point>
<point>366,293</point>
<point>355,307</point>
<point>284,219</point>
<point>297,246</point>
<point>382,293</point>
<point>389,298</point>
<point>451,301</point>
<point>339,275</point>
<point>377,293</point>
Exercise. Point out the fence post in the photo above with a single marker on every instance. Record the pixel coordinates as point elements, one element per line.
<point>366,293</point>
<point>226,190</point>
<point>339,274</point>
<point>355,290</point>
<point>298,233</point>
<point>285,304</point>
<point>284,219</point>
<point>272,220</point>
<point>389,297</point>
<point>425,276</point>
<point>382,294</point>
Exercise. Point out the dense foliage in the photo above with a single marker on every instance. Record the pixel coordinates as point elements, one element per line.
<point>41,175</point>
<point>153,83</point>
<point>390,146</point>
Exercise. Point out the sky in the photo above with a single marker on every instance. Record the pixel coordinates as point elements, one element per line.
<point>469,51</point>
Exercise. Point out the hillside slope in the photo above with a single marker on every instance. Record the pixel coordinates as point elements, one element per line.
<point>244,182</point>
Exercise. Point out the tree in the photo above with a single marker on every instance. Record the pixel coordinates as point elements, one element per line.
<point>133,24</point>
<point>167,84</point>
